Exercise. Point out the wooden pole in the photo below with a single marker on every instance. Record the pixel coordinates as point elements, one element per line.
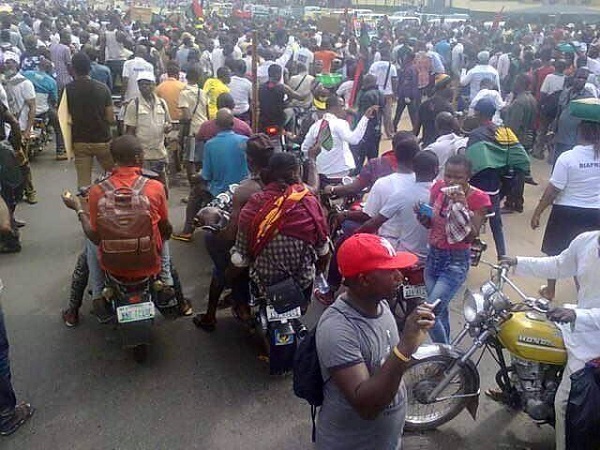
<point>255,102</point>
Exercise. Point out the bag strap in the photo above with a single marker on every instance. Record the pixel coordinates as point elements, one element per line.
<point>197,103</point>
<point>387,75</point>
<point>301,81</point>
<point>139,184</point>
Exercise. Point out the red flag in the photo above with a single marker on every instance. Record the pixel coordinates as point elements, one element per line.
<point>197,8</point>
<point>360,67</point>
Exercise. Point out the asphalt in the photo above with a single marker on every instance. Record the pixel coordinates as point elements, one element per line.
<point>197,390</point>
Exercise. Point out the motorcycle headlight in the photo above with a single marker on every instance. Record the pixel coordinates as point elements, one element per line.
<point>474,307</point>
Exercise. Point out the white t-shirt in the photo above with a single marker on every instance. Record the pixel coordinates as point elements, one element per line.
<point>577,175</point>
<point>384,189</point>
<point>552,83</point>
<point>446,146</point>
<point>131,69</point>
<point>241,90</point>
<point>304,56</point>
<point>18,90</point>
<point>410,236</point>
<point>380,70</point>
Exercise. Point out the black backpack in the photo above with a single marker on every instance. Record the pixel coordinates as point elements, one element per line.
<point>308,380</point>
<point>549,105</point>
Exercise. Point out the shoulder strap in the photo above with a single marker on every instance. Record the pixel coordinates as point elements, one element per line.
<point>137,110</point>
<point>387,75</point>
<point>301,81</point>
<point>197,103</point>
<point>139,184</point>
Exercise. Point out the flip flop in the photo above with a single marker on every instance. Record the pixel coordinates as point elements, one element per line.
<point>23,411</point>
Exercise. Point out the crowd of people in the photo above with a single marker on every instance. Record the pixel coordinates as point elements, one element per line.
<point>480,102</point>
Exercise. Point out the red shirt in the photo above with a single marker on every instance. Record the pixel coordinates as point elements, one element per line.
<point>209,129</point>
<point>540,75</point>
<point>155,191</point>
<point>476,201</point>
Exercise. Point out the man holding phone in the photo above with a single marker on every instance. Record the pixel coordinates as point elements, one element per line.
<point>333,135</point>
<point>362,357</point>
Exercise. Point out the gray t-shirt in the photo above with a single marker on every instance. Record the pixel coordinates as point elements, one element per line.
<point>345,337</point>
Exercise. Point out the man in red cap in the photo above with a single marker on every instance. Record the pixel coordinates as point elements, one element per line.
<point>361,355</point>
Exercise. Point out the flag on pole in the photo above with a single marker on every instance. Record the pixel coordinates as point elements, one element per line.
<point>197,8</point>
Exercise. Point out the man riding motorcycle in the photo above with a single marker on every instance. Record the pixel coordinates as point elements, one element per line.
<point>580,323</point>
<point>282,232</point>
<point>127,153</point>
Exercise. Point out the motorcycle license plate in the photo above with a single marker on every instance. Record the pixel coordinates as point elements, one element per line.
<point>274,316</point>
<point>135,313</point>
<point>411,291</point>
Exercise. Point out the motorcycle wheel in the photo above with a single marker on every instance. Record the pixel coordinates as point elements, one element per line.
<point>140,353</point>
<point>420,378</point>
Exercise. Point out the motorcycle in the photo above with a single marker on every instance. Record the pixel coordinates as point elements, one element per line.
<point>442,380</point>
<point>280,329</point>
<point>133,305</point>
<point>335,205</point>
<point>277,136</point>
<point>36,143</point>
<point>278,326</point>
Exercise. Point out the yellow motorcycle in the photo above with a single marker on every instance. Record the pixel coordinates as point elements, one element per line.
<point>443,379</point>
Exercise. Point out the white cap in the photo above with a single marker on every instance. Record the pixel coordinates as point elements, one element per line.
<point>146,76</point>
<point>7,56</point>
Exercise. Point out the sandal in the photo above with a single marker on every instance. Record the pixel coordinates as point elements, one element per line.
<point>183,237</point>
<point>201,322</point>
<point>22,413</point>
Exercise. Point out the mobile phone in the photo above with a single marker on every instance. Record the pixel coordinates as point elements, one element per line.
<point>426,210</point>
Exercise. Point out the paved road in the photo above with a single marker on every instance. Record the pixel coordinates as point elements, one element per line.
<point>198,390</point>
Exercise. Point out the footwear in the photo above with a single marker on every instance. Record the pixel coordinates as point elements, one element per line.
<point>531,181</point>
<point>30,197</point>
<point>71,317</point>
<point>101,311</point>
<point>507,210</point>
<point>10,248</point>
<point>23,412</point>
<point>185,307</point>
<point>61,157</point>
<point>202,322</point>
<point>183,237</point>
<point>184,200</point>
<point>19,223</point>
<point>496,395</point>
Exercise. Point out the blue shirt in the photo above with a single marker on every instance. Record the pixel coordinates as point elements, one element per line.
<point>43,84</point>
<point>444,50</point>
<point>102,74</point>
<point>224,161</point>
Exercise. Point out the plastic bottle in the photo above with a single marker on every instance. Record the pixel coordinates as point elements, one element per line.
<point>321,285</point>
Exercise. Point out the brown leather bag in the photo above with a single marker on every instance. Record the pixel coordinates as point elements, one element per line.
<point>124,224</point>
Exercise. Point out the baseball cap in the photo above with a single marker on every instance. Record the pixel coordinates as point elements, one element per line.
<point>486,107</point>
<point>146,76</point>
<point>362,253</point>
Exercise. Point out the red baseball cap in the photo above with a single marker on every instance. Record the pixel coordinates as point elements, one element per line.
<point>362,253</point>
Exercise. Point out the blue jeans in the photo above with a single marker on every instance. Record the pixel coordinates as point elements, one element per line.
<point>445,273</point>
<point>8,400</point>
<point>96,279</point>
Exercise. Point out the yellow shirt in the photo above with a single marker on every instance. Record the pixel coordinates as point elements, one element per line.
<point>213,87</point>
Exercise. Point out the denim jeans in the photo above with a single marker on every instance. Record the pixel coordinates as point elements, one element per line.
<point>445,272</point>
<point>8,400</point>
<point>496,226</point>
